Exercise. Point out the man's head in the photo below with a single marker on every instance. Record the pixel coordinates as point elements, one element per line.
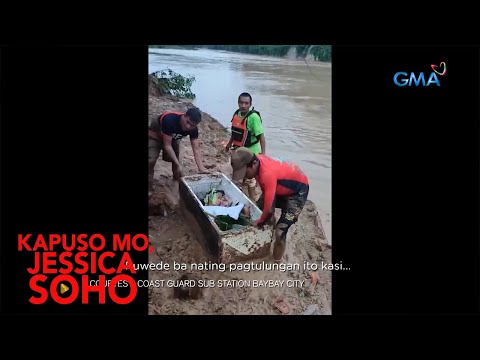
<point>244,164</point>
<point>190,119</point>
<point>244,102</point>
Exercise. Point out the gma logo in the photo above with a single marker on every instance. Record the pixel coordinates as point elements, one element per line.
<point>404,79</point>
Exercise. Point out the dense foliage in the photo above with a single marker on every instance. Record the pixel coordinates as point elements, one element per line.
<point>169,82</point>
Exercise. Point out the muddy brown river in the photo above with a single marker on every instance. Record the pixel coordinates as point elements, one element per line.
<point>293,97</point>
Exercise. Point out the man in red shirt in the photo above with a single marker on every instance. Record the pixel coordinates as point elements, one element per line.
<point>283,186</point>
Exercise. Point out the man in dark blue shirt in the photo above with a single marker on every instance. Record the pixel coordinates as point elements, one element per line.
<point>165,132</point>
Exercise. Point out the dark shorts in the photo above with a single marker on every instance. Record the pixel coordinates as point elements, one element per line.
<point>156,146</point>
<point>291,206</point>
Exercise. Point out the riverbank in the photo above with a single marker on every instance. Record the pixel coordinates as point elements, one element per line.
<point>174,241</point>
<point>309,52</point>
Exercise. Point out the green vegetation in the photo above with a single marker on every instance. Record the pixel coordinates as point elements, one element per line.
<point>322,52</point>
<point>169,82</point>
<point>319,52</point>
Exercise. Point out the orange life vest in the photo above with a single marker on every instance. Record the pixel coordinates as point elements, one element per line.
<point>241,136</point>
<point>156,134</point>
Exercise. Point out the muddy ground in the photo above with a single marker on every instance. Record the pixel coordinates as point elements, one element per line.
<point>174,241</point>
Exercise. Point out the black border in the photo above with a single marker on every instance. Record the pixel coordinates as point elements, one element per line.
<point>405,182</point>
<point>74,157</point>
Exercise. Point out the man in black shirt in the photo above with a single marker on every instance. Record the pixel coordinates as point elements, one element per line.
<point>165,133</point>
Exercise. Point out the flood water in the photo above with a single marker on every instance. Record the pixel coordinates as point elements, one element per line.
<point>293,97</point>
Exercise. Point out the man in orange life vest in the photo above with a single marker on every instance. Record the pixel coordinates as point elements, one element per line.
<point>283,185</point>
<point>247,131</point>
<point>165,133</point>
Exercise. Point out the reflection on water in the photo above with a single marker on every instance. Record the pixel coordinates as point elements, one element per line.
<point>294,98</point>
